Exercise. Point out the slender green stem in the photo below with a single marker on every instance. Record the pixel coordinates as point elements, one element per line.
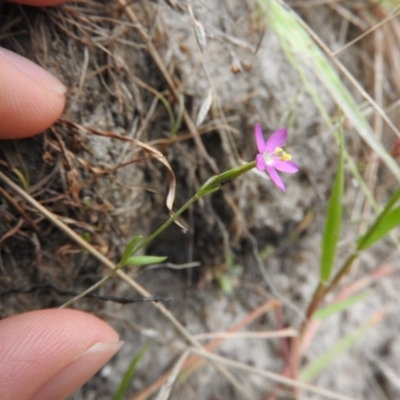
<point>171,220</point>
<point>211,186</point>
<point>90,289</point>
<point>167,223</point>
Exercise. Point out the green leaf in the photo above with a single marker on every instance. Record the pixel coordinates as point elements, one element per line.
<point>215,182</point>
<point>130,372</point>
<point>86,236</point>
<point>144,260</point>
<point>225,283</point>
<point>333,219</point>
<point>313,369</point>
<point>206,190</point>
<point>234,172</point>
<point>267,252</point>
<point>339,306</point>
<point>23,178</point>
<point>129,249</point>
<point>388,219</point>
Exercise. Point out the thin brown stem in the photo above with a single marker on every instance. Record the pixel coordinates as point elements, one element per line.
<point>322,290</point>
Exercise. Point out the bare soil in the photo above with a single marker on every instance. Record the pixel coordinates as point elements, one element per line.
<point>108,190</point>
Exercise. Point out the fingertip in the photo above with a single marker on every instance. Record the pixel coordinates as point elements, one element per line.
<point>31,99</point>
<point>55,321</point>
<point>74,375</point>
<point>37,346</point>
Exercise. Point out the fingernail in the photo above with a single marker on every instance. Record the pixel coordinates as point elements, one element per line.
<point>74,375</point>
<point>103,347</point>
<point>33,70</point>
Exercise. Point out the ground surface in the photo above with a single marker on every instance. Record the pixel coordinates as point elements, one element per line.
<point>108,189</point>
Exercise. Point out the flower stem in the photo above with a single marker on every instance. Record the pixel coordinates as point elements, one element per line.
<point>211,186</point>
<point>167,223</point>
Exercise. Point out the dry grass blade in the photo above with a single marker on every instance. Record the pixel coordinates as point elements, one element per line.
<point>371,171</point>
<point>195,362</point>
<point>273,376</point>
<point>131,282</point>
<point>13,230</point>
<point>353,81</point>
<point>388,18</point>
<point>391,32</point>
<point>205,107</point>
<point>27,218</point>
<point>200,33</point>
<point>161,66</point>
<point>149,149</point>
<point>165,391</point>
<point>304,44</point>
<point>289,332</point>
<point>154,71</point>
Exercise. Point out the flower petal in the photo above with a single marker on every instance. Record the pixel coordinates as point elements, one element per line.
<point>286,166</point>
<point>259,138</point>
<point>275,178</point>
<point>260,162</point>
<point>277,139</point>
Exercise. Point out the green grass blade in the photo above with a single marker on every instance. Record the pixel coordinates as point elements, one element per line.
<point>391,4</point>
<point>309,57</point>
<point>333,219</point>
<point>383,225</point>
<point>23,178</point>
<point>340,306</point>
<point>144,260</point>
<point>129,249</point>
<point>127,378</point>
<point>320,364</point>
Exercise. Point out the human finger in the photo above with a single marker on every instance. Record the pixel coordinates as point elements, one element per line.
<point>49,354</point>
<point>31,99</point>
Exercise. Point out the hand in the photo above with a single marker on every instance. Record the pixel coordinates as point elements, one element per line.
<point>46,354</point>
<point>31,99</point>
<point>49,354</point>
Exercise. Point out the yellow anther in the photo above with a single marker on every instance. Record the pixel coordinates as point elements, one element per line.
<point>286,157</point>
<point>283,156</point>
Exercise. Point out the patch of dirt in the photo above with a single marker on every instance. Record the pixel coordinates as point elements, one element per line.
<point>108,190</point>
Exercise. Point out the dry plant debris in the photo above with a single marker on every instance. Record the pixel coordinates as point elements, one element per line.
<point>161,96</point>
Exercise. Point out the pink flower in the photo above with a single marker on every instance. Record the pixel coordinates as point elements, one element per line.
<point>271,157</point>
